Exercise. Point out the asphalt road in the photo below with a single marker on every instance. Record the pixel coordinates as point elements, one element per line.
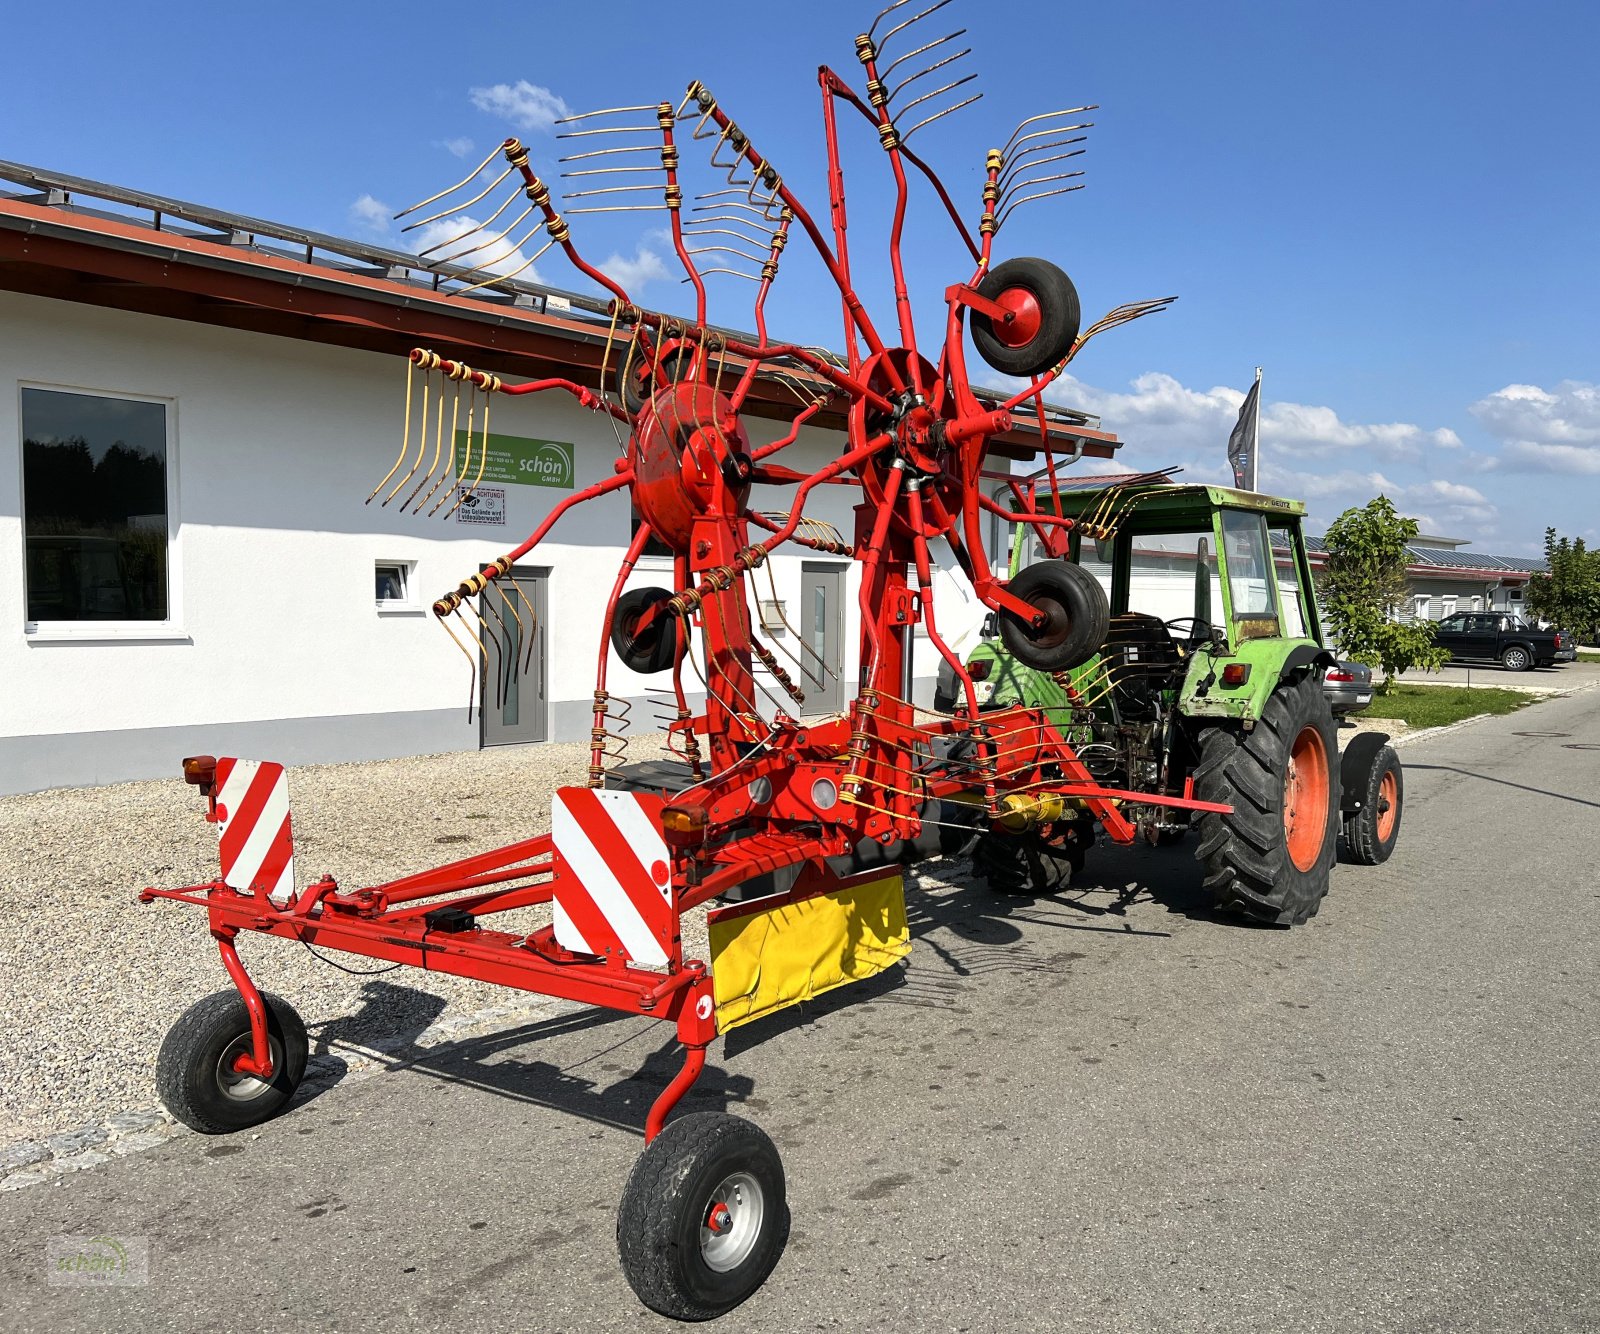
<point>1540,680</point>
<point>1101,1112</point>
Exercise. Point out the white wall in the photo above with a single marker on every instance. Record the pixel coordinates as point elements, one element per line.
<point>277,445</point>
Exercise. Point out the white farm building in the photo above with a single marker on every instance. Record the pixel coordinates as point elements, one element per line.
<point>193,409</point>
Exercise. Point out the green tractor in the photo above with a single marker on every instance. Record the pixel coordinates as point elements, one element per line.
<point>1196,673</point>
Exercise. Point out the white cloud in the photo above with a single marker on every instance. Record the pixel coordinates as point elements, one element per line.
<point>371,216</point>
<point>502,257</point>
<point>1172,414</point>
<point>458,147</point>
<point>526,105</point>
<point>1545,430</point>
<point>633,274</point>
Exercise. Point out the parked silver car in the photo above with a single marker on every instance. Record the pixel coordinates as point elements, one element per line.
<point>1348,686</point>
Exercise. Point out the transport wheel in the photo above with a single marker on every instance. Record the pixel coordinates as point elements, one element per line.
<point>1079,616</point>
<point>195,1077</point>
<point>1045,314</point>
<point>1029,865</point>
<point>1516,659</point>
<point>1370,834</point>
<point>1270,858</point>
<point>653,650</point>
<point>636,379</point>
<point>704,1216</point>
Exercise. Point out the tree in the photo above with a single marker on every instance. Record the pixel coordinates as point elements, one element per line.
<point>1364,588</point>
<point>1569,594</point>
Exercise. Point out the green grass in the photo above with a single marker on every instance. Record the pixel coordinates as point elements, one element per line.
<point>1584,655</point>
<point>1434,706</point>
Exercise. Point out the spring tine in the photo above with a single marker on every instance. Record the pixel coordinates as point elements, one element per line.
<point>465,180</point>
<point>457,208</point>
<point>528,263</point>
<point>438,448</point>
<point>608,129</point>
<point>901,27</point>
<point>611,190</point>
<point>619,208</point>
<point>937,65</point>
<point>883,14</point>
<point>480,227</point>
<point>610,152</point>
<point>1011,172</point>
<point>937,92</point>
<point>533,621</point>
<point>940,115</point>
<point>472,689</point>
<point>405,435</point>
<point>732,218</point>
<point>466,458</point>
<point>450,458</point>
<point>706,273</point>
<point>422,437</point>
<point>883,74</point>
<point>727,250</point>
<point>606,171</point>
<point>1042,180</point>
<point>603,111</point>
<point>1015,204</point>
<point>499,650</point>
<point>1034,120</point>
<point>455,257</point>
<point>483,453</point>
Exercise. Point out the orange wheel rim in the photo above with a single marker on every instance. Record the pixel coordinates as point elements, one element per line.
<point>1305,799</point>
<point>1388,806</point>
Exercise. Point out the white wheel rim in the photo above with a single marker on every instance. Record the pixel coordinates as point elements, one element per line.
<point>235,1085</point>
<point>737,1207</point>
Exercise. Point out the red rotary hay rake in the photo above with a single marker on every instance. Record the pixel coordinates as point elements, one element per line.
<point>762,799</point>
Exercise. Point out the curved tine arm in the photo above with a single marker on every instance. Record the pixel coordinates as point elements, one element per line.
<point>465,180</point>
<point>609,152</point>
<point>457,208</point>
<point>883,75</point>
<point>901,27</point>
<point>937,92</point>
<point>1015,204</point>
<point>1014,167</point>
<point>1032,181</point>
<point>576,116</point>
<point>1018,137</point>
<point>940,115</point>
<point>937,65</point>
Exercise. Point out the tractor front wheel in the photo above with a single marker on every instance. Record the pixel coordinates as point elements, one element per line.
<point>1269,859</point>
<point>1370,833</point>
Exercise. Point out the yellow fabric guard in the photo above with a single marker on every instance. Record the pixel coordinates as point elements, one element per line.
<point>762,961</point>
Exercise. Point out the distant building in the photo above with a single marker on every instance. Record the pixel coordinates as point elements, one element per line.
<point>1444,579</point>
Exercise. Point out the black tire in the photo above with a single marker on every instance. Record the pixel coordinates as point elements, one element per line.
<point>1370,834</point>
<point>193,1070</point>
<point>1033,344</point>
<point>668,1255</point>
<point>1079,616</point>
<point>1246,855</point>
<point>636,380</point>
<point>1028,866</point>
<point>1516,659</point>
<point>654,650</point>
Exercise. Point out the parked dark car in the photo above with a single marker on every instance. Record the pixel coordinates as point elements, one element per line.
<point>1348,686</point>
<point>1497,636</point>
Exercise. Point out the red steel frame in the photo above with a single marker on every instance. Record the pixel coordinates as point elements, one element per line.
<point>916,444</point>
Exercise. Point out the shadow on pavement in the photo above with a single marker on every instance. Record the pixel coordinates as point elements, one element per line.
<point>1502,782</point>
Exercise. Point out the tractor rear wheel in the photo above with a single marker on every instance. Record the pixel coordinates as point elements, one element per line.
<point>1269,859</point>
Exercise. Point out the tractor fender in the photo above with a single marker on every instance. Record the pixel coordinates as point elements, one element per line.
<point>1354,766</point>
<point>1302,656</point>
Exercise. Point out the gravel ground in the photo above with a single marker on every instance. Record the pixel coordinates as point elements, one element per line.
<point>90,980</point>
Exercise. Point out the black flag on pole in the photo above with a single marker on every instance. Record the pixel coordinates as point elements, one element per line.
<point>1242,443</point>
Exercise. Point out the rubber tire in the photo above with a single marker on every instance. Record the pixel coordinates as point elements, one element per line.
<point>635,393</point>
<point>1516,659</point>
<point>1072,595</point>
<point>1361,842</point>
<point>667,1195</point>
<point>1027,866</point>
<point>1059,317</point>
<point>186,1067</point>
<point>657,649</point>
<point>1247,866</point>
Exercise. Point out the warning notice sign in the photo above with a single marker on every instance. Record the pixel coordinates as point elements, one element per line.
<point>486,505</point>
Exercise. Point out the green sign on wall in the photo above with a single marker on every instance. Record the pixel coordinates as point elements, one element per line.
<point>515,460</point>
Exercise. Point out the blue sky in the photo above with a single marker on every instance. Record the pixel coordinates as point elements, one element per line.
<point>1393,208</point>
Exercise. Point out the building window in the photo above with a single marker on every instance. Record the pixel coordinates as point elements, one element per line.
<point>1477,603</point>
<point>1422,604</point>
<point>96,505</point>
<point>392,585</point>
<point>1447,606</point>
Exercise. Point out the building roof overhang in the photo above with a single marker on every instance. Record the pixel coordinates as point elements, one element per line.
<point>64,252</point>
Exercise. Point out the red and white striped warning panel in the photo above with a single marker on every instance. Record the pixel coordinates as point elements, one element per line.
<point>253,825</point>
<point>613,877</point>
